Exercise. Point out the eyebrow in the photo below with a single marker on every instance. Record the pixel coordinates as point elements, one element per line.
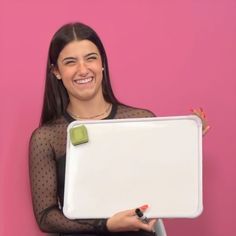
<point>90,54</point>
<point>75,58</point>
<point>69,58</point>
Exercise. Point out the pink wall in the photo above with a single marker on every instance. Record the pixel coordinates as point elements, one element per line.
<point>166,55</point>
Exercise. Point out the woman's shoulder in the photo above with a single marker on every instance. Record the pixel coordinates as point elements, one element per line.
<point>125,111</point>
<point>47,131</point>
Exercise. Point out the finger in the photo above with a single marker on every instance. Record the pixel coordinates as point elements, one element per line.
<point>132,211</point>
<point>203,114</point>
<point>152,223</point>
<point>199,111</point>
<point>149,226</point>
<point>202,117</point>
<point>206,129</point>
<point>196,112</point>
<point>144,207</point>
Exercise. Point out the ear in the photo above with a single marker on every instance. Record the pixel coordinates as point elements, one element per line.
<point>56,72</point>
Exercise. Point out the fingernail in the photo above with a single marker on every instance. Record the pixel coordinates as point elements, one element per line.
<point>144,207</point>
<point>203,114</point>
<point>206,129</point>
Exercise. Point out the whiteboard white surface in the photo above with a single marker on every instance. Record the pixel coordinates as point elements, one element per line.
<point>130,162</point>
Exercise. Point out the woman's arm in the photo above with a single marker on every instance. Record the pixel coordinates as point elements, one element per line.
<point>43,178</point>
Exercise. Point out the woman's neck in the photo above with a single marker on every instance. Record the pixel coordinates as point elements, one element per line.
<point>92,109</point>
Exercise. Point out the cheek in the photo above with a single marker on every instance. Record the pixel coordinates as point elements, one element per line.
<point>97,66</point>
<point>100,75</point>
<point>68,73</point>
<point>97,69</point>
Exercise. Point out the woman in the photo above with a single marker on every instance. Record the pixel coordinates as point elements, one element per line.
<point>77,87</point>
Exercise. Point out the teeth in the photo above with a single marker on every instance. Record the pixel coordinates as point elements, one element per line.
<point>83,81</point>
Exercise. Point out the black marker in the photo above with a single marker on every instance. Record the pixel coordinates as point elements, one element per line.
<point>141,216</point>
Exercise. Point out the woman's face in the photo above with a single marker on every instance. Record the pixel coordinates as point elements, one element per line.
<point>80,69</point>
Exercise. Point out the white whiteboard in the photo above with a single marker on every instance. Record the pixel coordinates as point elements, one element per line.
<point>130,162</point>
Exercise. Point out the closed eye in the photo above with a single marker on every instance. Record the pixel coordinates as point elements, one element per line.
<point>91,58</point>
<point>69,62</point>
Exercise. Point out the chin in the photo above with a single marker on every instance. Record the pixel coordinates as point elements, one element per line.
<point>87,96</point>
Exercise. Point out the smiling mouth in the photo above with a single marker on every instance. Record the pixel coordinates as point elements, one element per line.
<point>84,81</point>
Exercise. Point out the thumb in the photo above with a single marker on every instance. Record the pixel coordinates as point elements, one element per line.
<point>133,211</point>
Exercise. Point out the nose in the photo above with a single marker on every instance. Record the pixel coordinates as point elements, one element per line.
<point>82,69</point>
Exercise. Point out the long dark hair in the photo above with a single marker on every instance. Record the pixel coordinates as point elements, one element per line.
<point>56,97</point>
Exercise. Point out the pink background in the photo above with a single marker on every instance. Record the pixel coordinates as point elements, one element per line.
<point>166,55</point>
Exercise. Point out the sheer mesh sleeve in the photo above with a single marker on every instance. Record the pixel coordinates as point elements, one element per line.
<point>42,165</point>
<point>47,145</point>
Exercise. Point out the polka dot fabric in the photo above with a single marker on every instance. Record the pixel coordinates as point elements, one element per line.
<point>47,146</point>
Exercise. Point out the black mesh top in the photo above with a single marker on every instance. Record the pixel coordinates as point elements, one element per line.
<point>47,171</point>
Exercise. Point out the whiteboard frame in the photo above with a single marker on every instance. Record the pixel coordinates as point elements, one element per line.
<point>81,201</point>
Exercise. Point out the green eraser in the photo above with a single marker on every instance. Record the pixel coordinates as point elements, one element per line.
<point>78,135</point>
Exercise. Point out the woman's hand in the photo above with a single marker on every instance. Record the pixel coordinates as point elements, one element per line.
<point>128,221</point>
<point>201,114</point>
